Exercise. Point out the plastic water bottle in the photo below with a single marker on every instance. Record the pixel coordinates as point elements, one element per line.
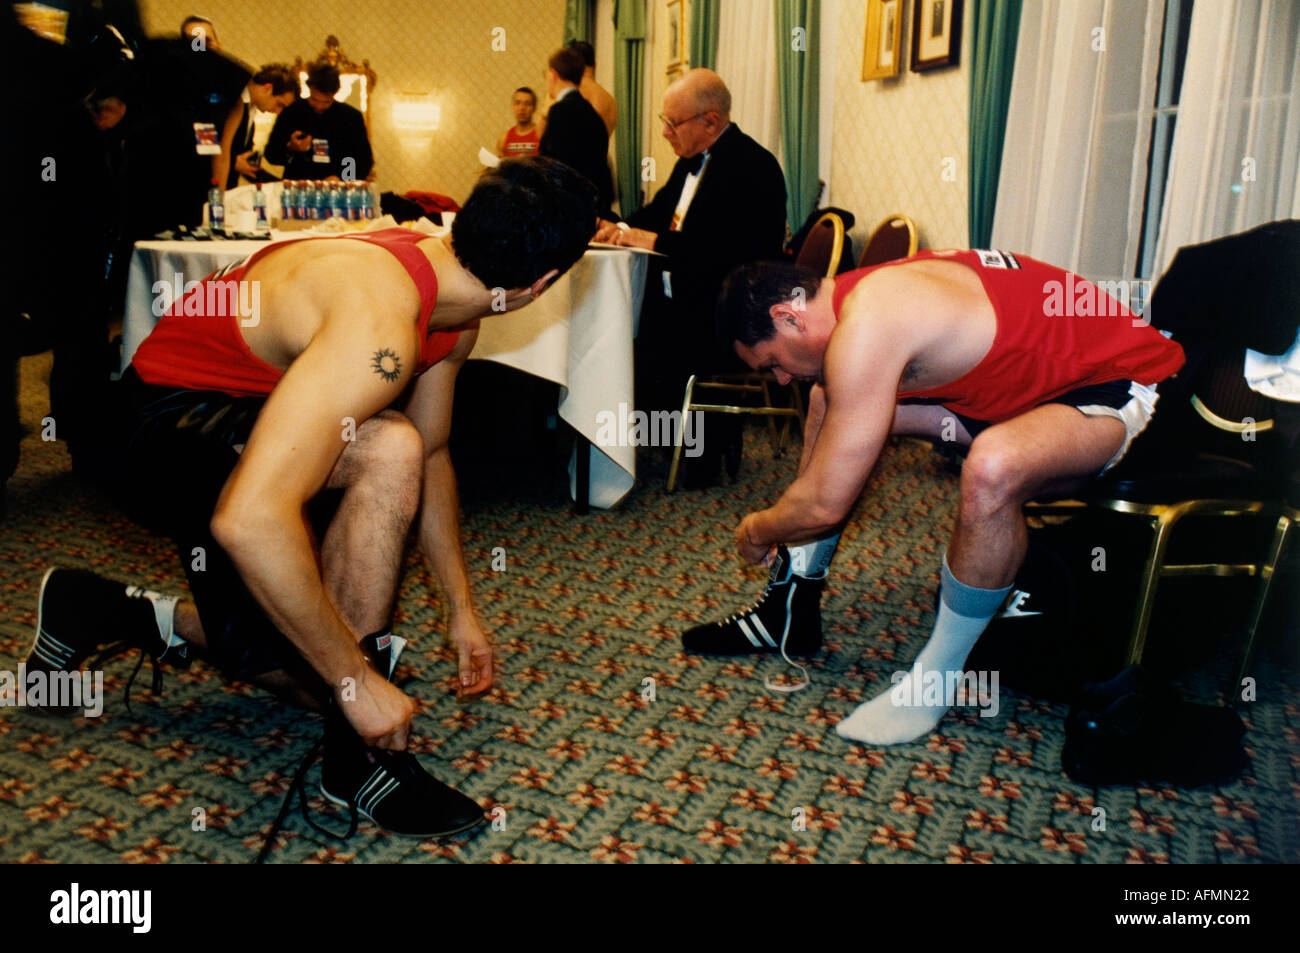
<point>338,201</point>
<point>367,202</point>
<point>261,225</point>
<point>286,200</point>
<point>216,207</point>
<point>302,201</point>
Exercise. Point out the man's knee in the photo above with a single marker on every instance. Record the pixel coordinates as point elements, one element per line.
<point>993,475</point>
<point>387,449</point>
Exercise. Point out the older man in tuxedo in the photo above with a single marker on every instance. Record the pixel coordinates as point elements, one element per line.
<point>723,205</point>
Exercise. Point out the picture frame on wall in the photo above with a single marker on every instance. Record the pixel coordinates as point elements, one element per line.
<point>936,34</point>
<point>882,47</point>
<point>676,40</point>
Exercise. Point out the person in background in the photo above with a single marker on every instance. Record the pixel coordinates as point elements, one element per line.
<point>271,90</point>
<point>522,138</point>
<point>320,137</point>
<point>200,31</point>
<point>575,134</point>
<point>723,205</point>
<point>592,91</point>
<point>171,130</point>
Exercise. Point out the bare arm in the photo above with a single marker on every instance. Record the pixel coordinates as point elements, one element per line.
<point>864,363</point>
<point>439,527</point>
<point>812,424</point>
<point>296,442</point>
<point>501,144</point>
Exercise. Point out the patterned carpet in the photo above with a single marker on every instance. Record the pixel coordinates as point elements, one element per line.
<point>715,768</point>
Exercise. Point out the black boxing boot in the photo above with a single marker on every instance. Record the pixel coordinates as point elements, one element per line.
<point>83,617</point>
<point>389,788</point>
<point>787,616</point>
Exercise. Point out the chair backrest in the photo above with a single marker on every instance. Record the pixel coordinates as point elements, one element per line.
<point>894,238</point>
<point>1225,401</point>
<point>824,245</point>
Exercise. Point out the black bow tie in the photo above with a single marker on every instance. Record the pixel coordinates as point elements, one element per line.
<point>693,163</point>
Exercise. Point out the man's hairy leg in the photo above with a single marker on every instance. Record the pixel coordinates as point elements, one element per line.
<point>1048,448</point>
<point>380,474</point>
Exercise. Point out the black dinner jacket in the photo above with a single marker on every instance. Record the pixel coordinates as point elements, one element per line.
<point>342,125</point>
<point>737,216</point>
<point>1232,293</point>
<point>575,135</point>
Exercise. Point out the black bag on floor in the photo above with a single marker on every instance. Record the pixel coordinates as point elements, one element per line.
<point>1135,728</point>
<point>1068,617</point>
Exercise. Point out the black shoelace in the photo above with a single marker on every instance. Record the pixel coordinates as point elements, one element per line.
<point>299,779</point>
<point>114,649</point>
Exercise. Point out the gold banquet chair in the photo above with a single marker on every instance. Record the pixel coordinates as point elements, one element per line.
<point>821,251</point>
<point>893,238</point>
<point>1219,475</point>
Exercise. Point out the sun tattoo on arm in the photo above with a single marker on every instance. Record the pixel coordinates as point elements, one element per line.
<point>386,364</point>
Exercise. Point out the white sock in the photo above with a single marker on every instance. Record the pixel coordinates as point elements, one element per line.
<point>895,716</point>
<point>164,613</point>
<point>812,559</point>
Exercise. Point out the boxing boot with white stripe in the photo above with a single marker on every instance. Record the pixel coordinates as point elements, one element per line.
<point>787,616</point>
<point>82,618</point>
<point>389,787</point>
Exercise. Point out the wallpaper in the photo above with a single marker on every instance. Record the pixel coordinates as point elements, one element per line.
<point>891,137</point>
<point>439,47</point>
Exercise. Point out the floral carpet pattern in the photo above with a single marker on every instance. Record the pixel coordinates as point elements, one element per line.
<point>601,741</point>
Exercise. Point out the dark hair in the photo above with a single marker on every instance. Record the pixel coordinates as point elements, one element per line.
<point>525,89</point>
<point>279,76</point>
<point>584,49</point>
<point>323,78</point>
<point>568,64</point>
<point>745,303</point>
<point>524,217</point>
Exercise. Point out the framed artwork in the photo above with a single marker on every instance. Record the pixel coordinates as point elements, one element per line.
<point>936,34</point>
<point>882,48</point>
<point>675,42</point>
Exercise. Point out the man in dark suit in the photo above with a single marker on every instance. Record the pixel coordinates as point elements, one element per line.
<point>723,205</point>
<point>272,89</point>
<point>320,137</point>
<point>575,134</point>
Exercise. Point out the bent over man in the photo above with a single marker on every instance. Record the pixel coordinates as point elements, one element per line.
<point>243,429</point>
<point>969,345</point>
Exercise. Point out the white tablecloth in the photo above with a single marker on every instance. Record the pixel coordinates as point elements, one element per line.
<point>578,333</point>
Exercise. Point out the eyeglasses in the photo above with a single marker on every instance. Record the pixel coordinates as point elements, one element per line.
<point>673,125</point>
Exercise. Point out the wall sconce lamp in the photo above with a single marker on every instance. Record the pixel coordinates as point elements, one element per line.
<point>416,114</point>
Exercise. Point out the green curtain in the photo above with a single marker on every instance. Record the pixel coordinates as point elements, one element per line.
<point>578,16</point>
<point>993,61</point>
<point>797,76</point>
<point>703,41</point>
<point>629,68</point>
